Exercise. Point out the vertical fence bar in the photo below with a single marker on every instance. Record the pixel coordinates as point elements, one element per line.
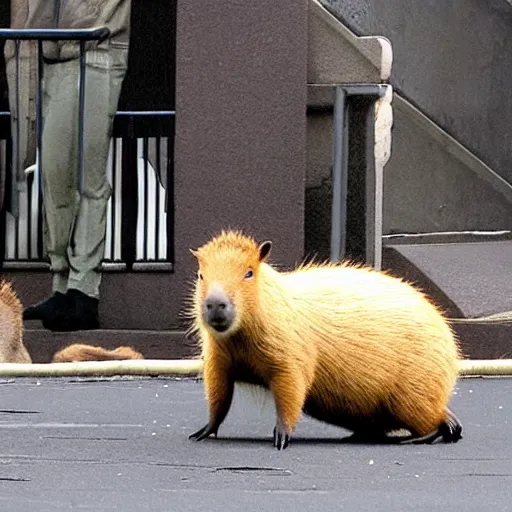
<point>39,155</point>
<point>118,205</point>
<point>9,177</point>
<point>158,164</point>
<point>129,198</point>
<point>339,177</point>
<point>15,162</point>
<point>170,192</point>
<point>30,186</point>
<point>3,241</point>
<point>113,201</point>
<point>81,120</point>
<point>39,113</point>
<point>145,156</point>
<point>7,158</point>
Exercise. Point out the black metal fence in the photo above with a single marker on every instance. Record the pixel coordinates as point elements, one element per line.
<point>140,218</point>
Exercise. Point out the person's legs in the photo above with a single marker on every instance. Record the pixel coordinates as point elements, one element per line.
<point>105,73</point>
<point>60,195</point>
<point>75,224</point>
<point>60,198</point>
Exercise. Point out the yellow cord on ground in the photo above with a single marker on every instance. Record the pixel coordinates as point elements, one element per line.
<point>188,367</point>
<point>147,367</point>
<point>486,367</point>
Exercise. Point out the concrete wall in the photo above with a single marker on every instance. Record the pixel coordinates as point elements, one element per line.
<point>452,60</point>
<point>430,186</point>
<point>241,98</point>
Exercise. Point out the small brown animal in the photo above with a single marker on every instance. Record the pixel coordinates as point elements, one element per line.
<point>12,349</point>
<point>81,352</point>
<point>343,343</point>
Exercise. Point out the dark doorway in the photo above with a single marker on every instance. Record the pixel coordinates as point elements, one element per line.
<point>150,80</point>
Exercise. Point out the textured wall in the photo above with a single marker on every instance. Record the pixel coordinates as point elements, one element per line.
<point>427,189</point>
<point>241,96</point>
<point>241,125</point>
<point>451,59</point>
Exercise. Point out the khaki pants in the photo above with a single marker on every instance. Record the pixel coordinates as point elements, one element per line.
<point>75,224</point>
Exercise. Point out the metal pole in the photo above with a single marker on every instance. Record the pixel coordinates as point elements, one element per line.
<point>339,177</point>
<point>39,113</point>
<point>16,153</point>
<point>81,122</point>
<point>39,136</point>
<point>53,34</point>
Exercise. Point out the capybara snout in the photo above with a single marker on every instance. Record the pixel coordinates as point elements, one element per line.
<point>218,310</point>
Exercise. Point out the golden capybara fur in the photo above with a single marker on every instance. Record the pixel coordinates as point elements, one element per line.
<point>343,343</point>
<point>82,352</point>
<point>12,349</point>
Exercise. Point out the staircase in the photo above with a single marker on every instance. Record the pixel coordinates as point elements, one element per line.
<point>447,192</point>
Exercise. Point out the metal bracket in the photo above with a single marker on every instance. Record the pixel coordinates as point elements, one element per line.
<point>340,159</point>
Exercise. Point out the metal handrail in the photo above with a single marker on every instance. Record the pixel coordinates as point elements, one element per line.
<point>83,35</point>
<point>340,160</point>
<point>99,34</point>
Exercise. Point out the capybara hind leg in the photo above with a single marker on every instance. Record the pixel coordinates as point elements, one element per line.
<point>427,439</point>
<point>289,393</point>
<point>219,388</point>
<point>450,430</point>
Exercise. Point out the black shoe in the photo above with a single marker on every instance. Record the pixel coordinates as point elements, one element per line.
<point>47,309</point>
<point>80,314</point>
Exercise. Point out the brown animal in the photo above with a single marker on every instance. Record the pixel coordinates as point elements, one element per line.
<point>12,349</point>
<point>345,344</point>
<point>81,352</point>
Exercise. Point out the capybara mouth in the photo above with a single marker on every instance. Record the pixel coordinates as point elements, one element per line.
<point>220,324</point>
<point>220,327</point>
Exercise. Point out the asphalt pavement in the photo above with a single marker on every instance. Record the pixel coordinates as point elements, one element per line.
<point>122,444</point>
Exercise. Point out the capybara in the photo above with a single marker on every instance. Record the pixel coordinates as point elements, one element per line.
<point>342,342</point>
<point>82,352</point>
<point>12,349</point>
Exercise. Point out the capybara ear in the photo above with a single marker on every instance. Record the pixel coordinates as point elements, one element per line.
<point>265,249</point>
<point>196,255</point>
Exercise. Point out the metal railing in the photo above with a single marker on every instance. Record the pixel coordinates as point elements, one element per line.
<point>340,175</point>
<point>356,197</point>
<point>145,205</point>
<point>140,216</point>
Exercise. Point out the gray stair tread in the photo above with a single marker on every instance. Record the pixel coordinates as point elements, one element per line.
<point>477,277</point>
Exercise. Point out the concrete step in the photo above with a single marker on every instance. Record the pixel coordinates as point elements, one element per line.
<point>485,338</point>
<point>471,281</point>
<point>43,344</point>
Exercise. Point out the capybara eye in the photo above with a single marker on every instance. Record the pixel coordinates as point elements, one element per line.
<point>248,274</point>
<point>199,275</point>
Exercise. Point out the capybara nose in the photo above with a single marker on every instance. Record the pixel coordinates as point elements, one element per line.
<point>218,311</point>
